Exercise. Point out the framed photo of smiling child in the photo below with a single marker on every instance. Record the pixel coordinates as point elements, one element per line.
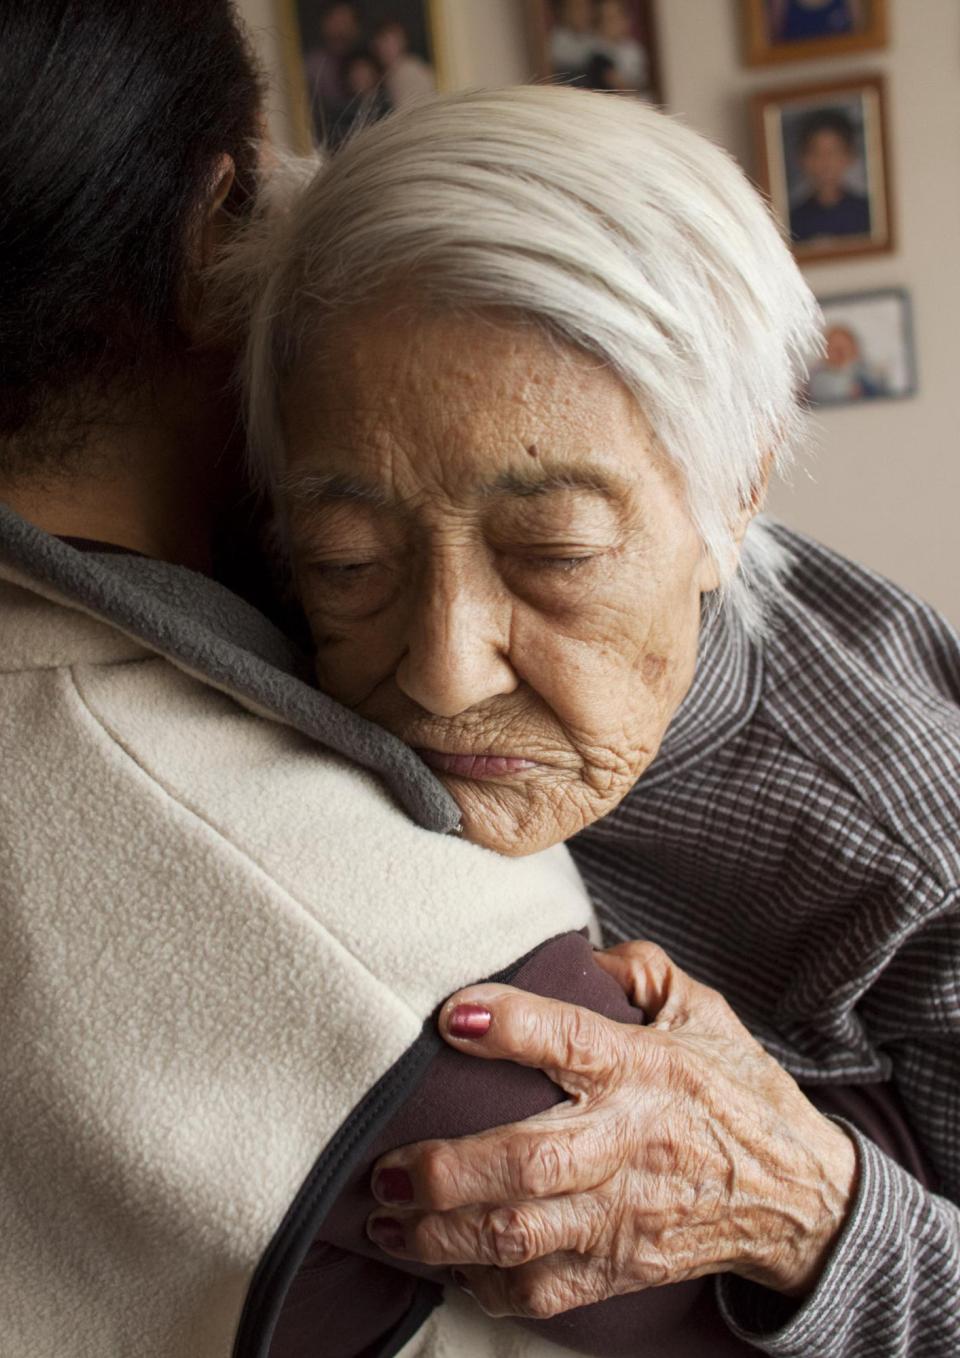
<point>822,158</point>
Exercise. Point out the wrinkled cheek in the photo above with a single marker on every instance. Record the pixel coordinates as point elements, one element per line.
<point>351,660</point>
<point>509,823</point>
<point>666,657</point>
<point>618,722</point>
<point>527,819</point>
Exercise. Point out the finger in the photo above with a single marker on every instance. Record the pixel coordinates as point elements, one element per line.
<point>574,1046</point>
<point>670,998</point>
<point>557,1152</point>
<point>547,1287</point>
<point>645,972</point>
<point>559,1282</point>
<point>501,1237</point>
<point>654,982</point>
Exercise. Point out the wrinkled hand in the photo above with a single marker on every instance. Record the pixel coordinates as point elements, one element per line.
<point>683,1149</point>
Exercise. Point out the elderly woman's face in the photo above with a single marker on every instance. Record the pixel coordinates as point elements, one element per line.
<point>496,564</point>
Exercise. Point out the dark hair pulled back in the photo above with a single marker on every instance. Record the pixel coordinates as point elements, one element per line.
<point>833,120</point>
<point>112,116</point>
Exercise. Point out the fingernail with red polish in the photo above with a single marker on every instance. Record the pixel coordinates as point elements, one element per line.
<point>469,1020</point>
<point>393,1185</point>
<point>387,1232</point>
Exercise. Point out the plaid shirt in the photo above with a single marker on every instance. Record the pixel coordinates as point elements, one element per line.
<point>796,845</point>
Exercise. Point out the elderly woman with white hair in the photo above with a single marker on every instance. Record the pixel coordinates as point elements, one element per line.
<point>521,365</point>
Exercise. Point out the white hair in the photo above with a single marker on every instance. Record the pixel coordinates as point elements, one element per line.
<point>612,226</point>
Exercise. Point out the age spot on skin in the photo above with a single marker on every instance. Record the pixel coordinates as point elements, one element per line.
<point>652,669</point>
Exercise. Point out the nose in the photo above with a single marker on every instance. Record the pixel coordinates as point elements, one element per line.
<point>457,639</point>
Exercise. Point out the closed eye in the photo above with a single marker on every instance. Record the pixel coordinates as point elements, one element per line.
<point>558,575</point>
<point>349,590</point>
<point>559,563</point>
<point>341,570</point>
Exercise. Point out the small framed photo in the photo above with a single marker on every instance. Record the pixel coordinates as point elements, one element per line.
<point>822,158</point>
<point>869,349</point>
<point>597,44</point>
<point>357,59</point>
<point>805,30</point>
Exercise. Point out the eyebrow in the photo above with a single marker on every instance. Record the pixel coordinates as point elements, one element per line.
<point>545,480</point>
<point>310,488</point>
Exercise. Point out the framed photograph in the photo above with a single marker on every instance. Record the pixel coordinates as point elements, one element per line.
<point>357,59</point>
<point>822,158</point>
<point>870,354</point>
<point>597,44</point>
<point>805,30</point>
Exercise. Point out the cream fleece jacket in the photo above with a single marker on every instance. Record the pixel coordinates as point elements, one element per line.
<point>221,948</point>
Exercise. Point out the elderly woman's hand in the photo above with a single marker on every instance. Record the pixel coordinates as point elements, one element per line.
<point>683,1149</point>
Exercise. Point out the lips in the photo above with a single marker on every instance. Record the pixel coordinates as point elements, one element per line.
<point>475,765</point>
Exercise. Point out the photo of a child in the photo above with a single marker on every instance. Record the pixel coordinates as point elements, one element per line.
<point>827,157</point>
<point>868,354</point>
<point>821,153</point>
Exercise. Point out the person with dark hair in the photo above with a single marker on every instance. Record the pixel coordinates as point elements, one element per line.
<point>617,41</point>
<point>340,34</point>
<point>571,38</point>
<point>214,979</point>
<point>128,144</point>
<point>828,152</point>
<point>363,76</point>
<point>407,76</point>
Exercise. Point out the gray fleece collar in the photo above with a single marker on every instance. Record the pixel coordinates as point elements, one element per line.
<point>210,631</point>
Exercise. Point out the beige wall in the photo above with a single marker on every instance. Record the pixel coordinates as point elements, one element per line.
<point>883,484</point>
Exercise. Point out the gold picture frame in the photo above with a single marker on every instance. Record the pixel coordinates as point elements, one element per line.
<point>762,47</point>
<point>803,136</point>
<point>290,20</point>
<point>597,69</point>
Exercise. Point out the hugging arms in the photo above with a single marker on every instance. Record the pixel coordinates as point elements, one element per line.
<point>512,403</point>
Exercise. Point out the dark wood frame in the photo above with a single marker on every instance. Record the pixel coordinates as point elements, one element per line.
<point>758,50</point>
<point>288,22</point>
<point>835,247</point>
<point>538,28</point>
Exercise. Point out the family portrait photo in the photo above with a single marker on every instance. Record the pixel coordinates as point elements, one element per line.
<point>869,349</point>
<point>799,30</point>
<point>822,158</point>
<point>597,44</point>
<point>358,59</point>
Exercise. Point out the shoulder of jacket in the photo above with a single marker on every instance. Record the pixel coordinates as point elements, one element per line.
<point>42,630</point>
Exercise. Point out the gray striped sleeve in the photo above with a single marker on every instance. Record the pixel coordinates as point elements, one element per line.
<point>891,1288</point>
